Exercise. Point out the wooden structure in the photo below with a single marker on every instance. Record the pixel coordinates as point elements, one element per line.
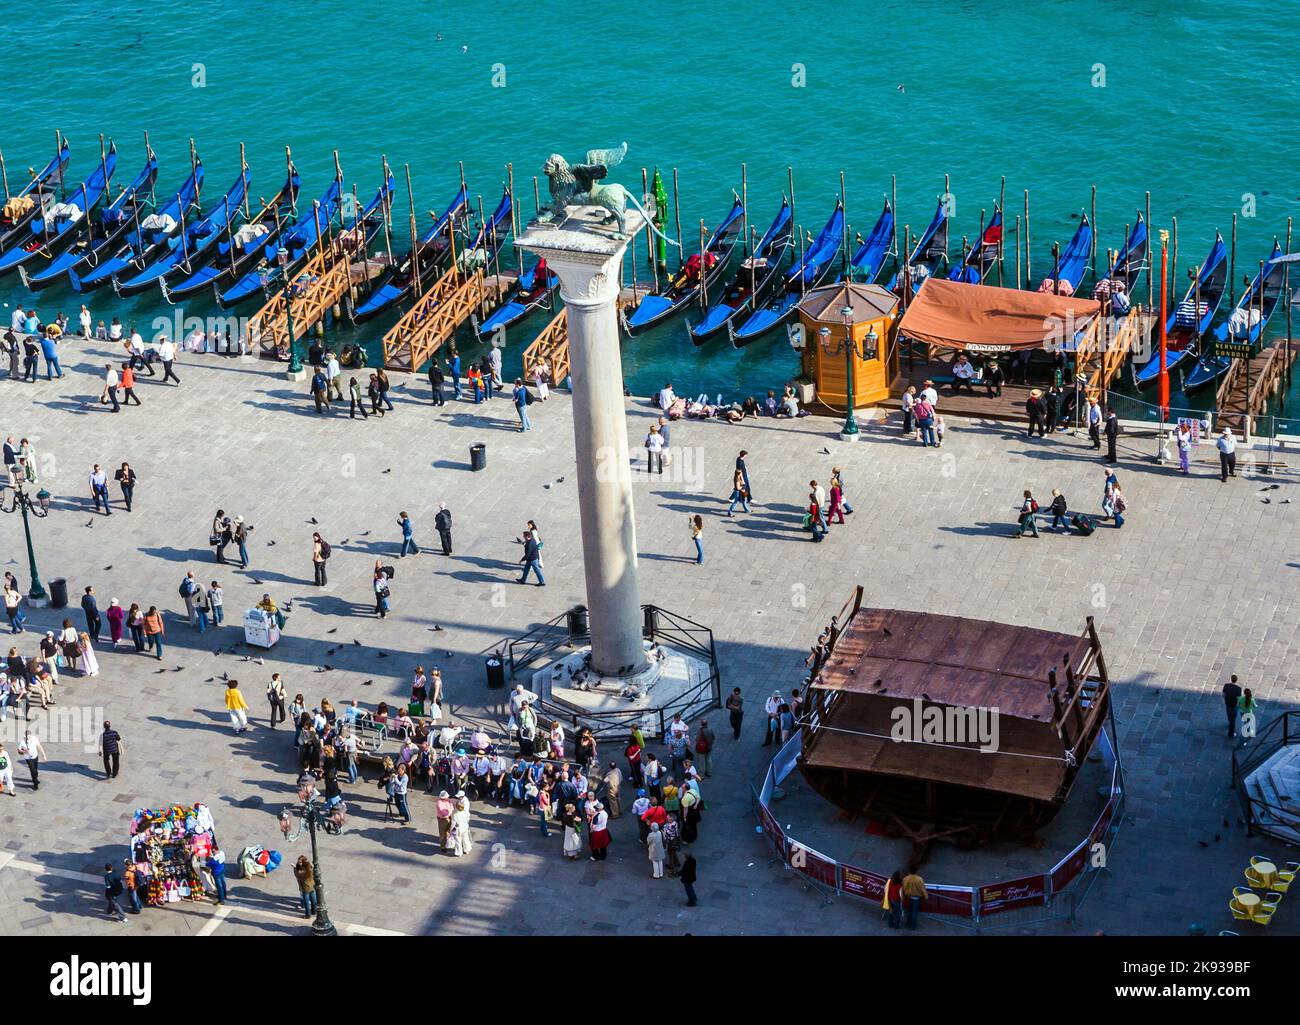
<point>552,347</point>
<point>1105,347</point>
<point>434,318</point>
<point>872,309</point>
<point>881,678</point>
<point>317,288</point>
<point>1247,387</point>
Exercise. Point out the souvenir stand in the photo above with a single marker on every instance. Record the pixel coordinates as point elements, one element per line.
<point>163,842</point>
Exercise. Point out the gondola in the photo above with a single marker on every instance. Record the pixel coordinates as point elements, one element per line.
<point>61,223</point>
<point>240,249</point>
<point>1183,327</point>
<point>534,289</point>
<point>193,246</point>
<point>1072,261</point>
<point>977,263</point>
<point>753,281</point>
<point>21,209</point>
<point>931,250</point>
<point>1131,261</point>
<point>105,229</point>
<point>867,261</point>
<point>807,273</point>
<point>1260,299</point>
<point>296,241</point>
<point>433,250</point>
<point>703,269</point>
<point>147,238</point>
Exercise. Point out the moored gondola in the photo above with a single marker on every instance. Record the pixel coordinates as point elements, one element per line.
<point>24,207</point>
<point>1186,324</point>
<point>753,281</point>
<point>983,255</point>
<point>869,258</point>
<point>930,252</point>
<point>534,289</point>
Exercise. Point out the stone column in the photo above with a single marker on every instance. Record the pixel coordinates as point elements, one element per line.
<point>587,258</point>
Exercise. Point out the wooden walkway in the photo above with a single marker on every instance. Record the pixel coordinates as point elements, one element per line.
<point>316,289</point>
<point>1249,385</point>
<point>551,346</point>
<point>433,320</point>
<point>1009,406</point>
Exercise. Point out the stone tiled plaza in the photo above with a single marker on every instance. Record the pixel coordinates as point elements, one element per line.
<point>1199,583</point>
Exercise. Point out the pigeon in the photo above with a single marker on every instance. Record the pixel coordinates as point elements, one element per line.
<point>108,567</point>
<point>345,540</point>
<point>260,661</point>
<point>209,679</point>
<point>256,581</point>
<point>364,533</point>
<point>178,669</point>
<point>383,654</point>
<point>559,480</point>
<point>332,630</point>
<point>312,521</point>
<point>546,487</point>
<point>447,654</point>
<point>216,651</point>
<point>825,451</point>
<point>356,642</point>
<point>1286,501</point>
<point>225,676</point>
<point>366,683</point>
<point>1267,501</point>
<point>89,523</point>
<point>330,651</point>
<point>1271,487</point>
<point>436,628</point>
<point>270,544</point>
<point>389,470</point>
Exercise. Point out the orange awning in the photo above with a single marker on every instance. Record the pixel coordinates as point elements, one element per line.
<point>983,318</point>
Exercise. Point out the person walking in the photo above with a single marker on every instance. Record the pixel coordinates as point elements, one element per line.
<point>443,809</point>
<point>154,631</point>
<point>111,749</point>
<point>99,490</point>
<point>704,741</point>
<point>13,609</point>
<point>1112,436</point>
<point>1119,503</point>
<point>442,523</point>
<point>125,477</point>
<point>687,877</point>
<point>1227,446</point>
<point>913,893</point>
<point>739,492</point>
<point>398,785</point>
<point>90,608</point>
<point>836,507</point>
<point>461,840</point>
<point>275,698</point>
<point>236,706</point>
<point>216,602</point>
<point>408,535</point>
<point>320,390</point>
<point>135,623</point>
<point>531,560</point>
<point>302,871</point>
<point>7,771</point>
<point>128,386</point>
<point>167,354</point>
<point>1058,509</point>
<point>697,535</point>
<point>382,592</point>
<point>116,617</point>
<point>1035,410</point>
<point>1231,695</point>
<point>655,851</point>
<point>742,465</point>
<point>735,711</point>
<point>113,889</point>
<point>356,400</point>
<point>1248,710</point>
<point>333,372</point>
<point>521,400</point>
<point>381,379</point>
<point>319,556</point>
<point>111,381</point>
<point>31,751</point>
<point>1184,441</point>
<point>1028,508</point>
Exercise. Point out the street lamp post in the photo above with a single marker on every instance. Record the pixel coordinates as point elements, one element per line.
<point>40,508</point>
<point>311,816</point>
<point>867,351</point>
<point>282,257</point>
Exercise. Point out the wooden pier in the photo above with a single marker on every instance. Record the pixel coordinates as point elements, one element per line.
<point>1246,389</point>
<point>551,346</point>
<point>433,320</point>
<point>315,289</point>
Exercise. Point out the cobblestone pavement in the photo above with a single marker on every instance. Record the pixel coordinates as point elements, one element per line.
<point>1201,582</point>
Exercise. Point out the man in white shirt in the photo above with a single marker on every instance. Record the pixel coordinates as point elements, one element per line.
<point>332,374</point>
<point>111,381</point>
<point>85,321</point>
<point>930,395</point>
<point>963,375</point>
<point>19,321</point>
<point>1227,446</point>
<point>167,353</point>
<point>494,355</point>
<point>30,751</point>
<point>666,396</point>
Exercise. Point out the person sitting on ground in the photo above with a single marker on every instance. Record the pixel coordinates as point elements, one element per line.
<point>750,407</point>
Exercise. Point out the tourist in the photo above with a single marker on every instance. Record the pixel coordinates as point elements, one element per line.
<point>216,866</point>
<point>813,521</point>
<point>521,399</point>
<point>635,767</point>
<point>375,394</point>
<point>115,616</point>
<point>892,902</point>
<point>739,492</point>
<point>1227,446</point>
<point>111,382</point>
<point>188,589</point>
<point>598,838</point>
<point>913,892</point>
<point>128,386</point>
<point>125,477</point>
<point>239,534</point>
<point>666,397</point>
<point>154,631</point>
<point>696,525</point>
<point>436,380</point>
<point>31,751</point>
<point>909,410</point>
<point>113,889</point>
<point>49,349</point>
<point>236,706</point>
<point>654,772</point>
<point>333,372</point>
<point>13,609</point>
<point>216,603</point>
<point>275,698</point>
<point>772,707</point>
<point>687,878</point>
<point>692,807</point>
<point>540,373</point>
<point>475,378</point>
<point>397,788</point>
<point>1035,410</point>
<point>442,524</point>
<point>1052,409</point>
<point>99,489</point>
<point>654,456</point>
<point>735,711</point>
<point>1184,442</point>
<point>453,367</point>
<point>320,390</point>
<point>1112,435</point>
<point>381,379</point>
<point>785,719</point>
<point>1119,503</point>
<point>135,623</point>
<point>923,408</point>
<point>742,465</point>
<point>408,535</point>
<point>939,429</point>
<point>302,871</point>
<point>131,877</point>
<point>87,662</point>
<point>1231,695</point>
<point>655,851</point>
<point>443,809</point>
<point>167,353</point>
<point>836,507</point>
<point>111,748</point>
<point>994,378</point>
<point>1027,509</point>
<point>963,375</point>
<point>1247,706</point>
<point>461,841</point>
<point>1094,424</point>
<point>1058,510</point>
<point>318,559</point>
<point>531,560</point>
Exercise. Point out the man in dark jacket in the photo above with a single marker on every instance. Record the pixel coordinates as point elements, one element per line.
<point>1231,692</point>
<point>994,378</point>
<point>1112,435</point>
<point>1052,408</point>
<point>531,560</point>
<point>687,877</point>
<point>442,522</point>
<point>91,608</point>
<point>319,386</point>
<point>1034,407</point>
<point>436,380</point>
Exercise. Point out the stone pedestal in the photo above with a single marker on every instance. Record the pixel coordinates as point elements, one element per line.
<point>587,256</point>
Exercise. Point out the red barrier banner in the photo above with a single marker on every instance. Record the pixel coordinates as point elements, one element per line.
<point>1102,824</point>
<point>861,883</point>
<point>1070,866</point>
<point>1014,893</point>
<point>815,866</point>
<point>773,830</point>
<point>949,900</point>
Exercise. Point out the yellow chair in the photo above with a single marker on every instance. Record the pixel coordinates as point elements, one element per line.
<point>1271,901</point>
<point>1228,932</point>
<point>1255,880</point>
<point>1264,915</point>
<point>1238,912</point>
<point>1256,859</point>
<point>1282,881</point>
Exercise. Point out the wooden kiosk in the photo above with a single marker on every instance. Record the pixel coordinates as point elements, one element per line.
<point>874,668</point>
<point>870,326</point>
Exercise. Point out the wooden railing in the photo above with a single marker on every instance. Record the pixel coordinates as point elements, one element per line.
<point>433,320</point>
<point>314,291</point>
<point>552,347</point>
<point>1101,354</point>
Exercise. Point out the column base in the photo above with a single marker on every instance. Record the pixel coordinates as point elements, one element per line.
<point>296,375</point>
<point>38,603</point>
<point>850,437</point>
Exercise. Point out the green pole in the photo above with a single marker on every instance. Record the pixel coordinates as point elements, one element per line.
<point>37,591</point>
<point>850,421</point>
<point>661,218</point>
<point>322,926</point>
<point>295,364</point>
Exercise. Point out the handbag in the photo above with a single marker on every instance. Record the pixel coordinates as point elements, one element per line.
<point>214,539</point>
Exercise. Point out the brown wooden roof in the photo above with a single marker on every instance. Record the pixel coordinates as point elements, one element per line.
<point>947,660</point>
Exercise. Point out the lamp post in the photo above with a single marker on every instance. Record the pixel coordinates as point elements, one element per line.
<point>312,815</point>
<point>868,351</point>
<point>39,508</point>
<point>282,258</point>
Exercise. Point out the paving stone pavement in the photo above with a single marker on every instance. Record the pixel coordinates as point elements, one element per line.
<point>1201,582</point>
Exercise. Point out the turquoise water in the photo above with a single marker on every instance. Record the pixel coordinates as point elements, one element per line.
<point>1198,106</point>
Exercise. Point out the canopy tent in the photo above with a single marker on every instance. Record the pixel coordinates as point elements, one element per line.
<point>984,318</point>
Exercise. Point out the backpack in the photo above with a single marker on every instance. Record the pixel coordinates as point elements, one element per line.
<point>4,762</point>
<point>528,398</point>
<point>325,550</point>
<point>1033,505</point>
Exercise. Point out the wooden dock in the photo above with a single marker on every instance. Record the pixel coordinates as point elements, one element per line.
<point>437,313</point>
<point>551,346</point>
<point>1246,389</point>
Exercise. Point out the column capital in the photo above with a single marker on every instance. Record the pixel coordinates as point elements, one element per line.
<point>585,252</point>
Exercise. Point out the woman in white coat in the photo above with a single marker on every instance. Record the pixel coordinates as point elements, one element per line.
<point>654,846</point>
<point>460,838</point>
<point>87,663</point>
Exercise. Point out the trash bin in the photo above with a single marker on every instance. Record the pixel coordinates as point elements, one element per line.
<point>478,457</point>
<point>59,593</point>
<point>578,622</point>
<point>496,672</point>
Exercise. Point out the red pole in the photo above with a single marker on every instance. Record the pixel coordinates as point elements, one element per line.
<point>1163,398</point>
